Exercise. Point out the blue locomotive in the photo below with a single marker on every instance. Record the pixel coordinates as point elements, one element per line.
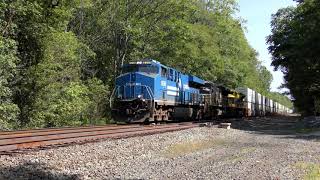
<point>148,91</point>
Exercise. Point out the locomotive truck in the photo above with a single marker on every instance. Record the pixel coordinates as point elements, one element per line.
<point>148,91</point>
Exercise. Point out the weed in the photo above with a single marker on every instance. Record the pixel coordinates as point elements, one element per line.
<point>304,130</point>
<point>191,147</point>
<point>241,156</point>
<point>248,150</point>
<point>312,170</point>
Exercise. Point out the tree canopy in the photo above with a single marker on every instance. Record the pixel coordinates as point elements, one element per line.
<point>59,58</point>
<point>295,47</point>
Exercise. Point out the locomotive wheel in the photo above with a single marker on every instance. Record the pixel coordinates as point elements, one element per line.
<point>146,121</point>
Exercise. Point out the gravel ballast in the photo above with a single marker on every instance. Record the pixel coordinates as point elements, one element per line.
<point>198,153</point>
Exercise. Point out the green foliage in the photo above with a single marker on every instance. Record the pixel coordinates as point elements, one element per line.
<point>62,98</point>
<point>97,111</point>
<point>59,58</point>
<point>71,104</point>
<point>59,105</point>
<point>9,111</point>
<point>199,37</point>
<point>284,100</point>
<point>295,51</point>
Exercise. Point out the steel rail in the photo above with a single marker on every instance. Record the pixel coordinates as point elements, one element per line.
<point>69,135</point>
<point>54,129</point>
<point>57,139</point>
<point>63,131</point>
<point>63,135</point>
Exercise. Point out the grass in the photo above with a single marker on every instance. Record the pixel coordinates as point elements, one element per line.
<point>181,149</point>
<point>312,170</point>
<point>236,158</point>
<point>189,147</point>
<point>248,150</point>
<point>307,130</point>
<point>301,128</point>
<point>241,156</point>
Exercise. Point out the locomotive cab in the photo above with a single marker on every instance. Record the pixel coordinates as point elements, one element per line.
<point>133,97</point>
<point>233,102</point>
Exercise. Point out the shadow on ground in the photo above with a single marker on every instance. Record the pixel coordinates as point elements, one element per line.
<point>288,126</point>
<point>33,171</point>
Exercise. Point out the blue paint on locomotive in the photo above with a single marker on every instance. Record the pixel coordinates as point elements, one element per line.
<point>148,79</point>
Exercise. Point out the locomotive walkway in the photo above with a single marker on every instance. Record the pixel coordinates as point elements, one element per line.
<point>12,141</point>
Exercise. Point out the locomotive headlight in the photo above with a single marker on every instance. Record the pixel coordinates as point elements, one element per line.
<point>140,96</point>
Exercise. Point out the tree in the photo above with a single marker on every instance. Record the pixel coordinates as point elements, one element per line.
<point>59,58</point>
<point>295,51</point>
<point>9,111</point>
<point>121,31</point>
<point>31,26</point>
<point>198,37</point>
<point>62,98</point>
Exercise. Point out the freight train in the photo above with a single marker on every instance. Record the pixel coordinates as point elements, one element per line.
<point>148,91</point>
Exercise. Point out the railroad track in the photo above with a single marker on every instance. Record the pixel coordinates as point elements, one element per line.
<point>14,141</point>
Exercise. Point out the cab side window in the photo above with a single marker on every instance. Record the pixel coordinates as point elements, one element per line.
<point>171,75</point>
<point>176,76</point>
<point>164,72</point>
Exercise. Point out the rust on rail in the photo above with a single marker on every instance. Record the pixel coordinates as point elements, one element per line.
<point>41,138</point>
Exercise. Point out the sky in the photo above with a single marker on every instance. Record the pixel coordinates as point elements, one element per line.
<point>257,14</point>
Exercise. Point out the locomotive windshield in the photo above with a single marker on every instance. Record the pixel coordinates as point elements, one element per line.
<point>149,69</point>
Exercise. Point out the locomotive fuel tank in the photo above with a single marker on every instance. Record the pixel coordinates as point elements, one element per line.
<point>183,113</point>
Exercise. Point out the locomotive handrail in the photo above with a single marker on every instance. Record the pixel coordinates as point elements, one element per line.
<point>149,91</point>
